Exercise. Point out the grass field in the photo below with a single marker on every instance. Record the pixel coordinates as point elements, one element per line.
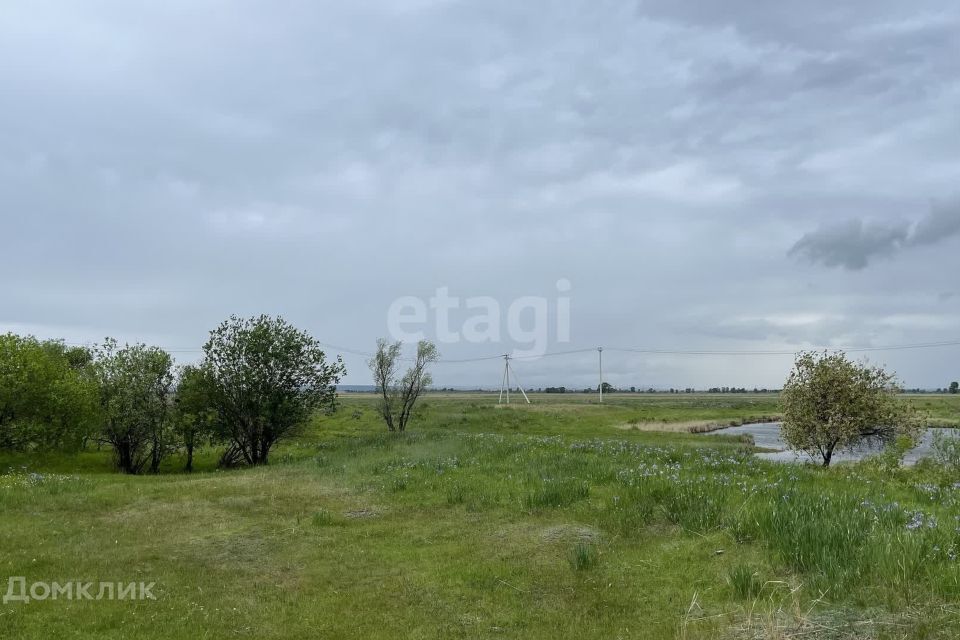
<point>543,521</point>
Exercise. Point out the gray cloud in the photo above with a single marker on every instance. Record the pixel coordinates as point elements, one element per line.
<point>321,159</point>
<point>851,244</point>
<point>854,243</point>
<point>942,223</point>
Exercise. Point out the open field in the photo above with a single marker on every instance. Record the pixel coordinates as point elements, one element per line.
<point>547,521</point>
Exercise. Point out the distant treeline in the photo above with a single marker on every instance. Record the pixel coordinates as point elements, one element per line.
<point>608,388</point>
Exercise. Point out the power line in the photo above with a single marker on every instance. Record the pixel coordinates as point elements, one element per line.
<point>639,350</point>
<point>555,353</point>
<point>699,352</point>
<point>899,347</point>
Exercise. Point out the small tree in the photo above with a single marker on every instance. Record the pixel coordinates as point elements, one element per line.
<point>954,387</point>
<point>398,396</point>
<point>194,417</point>
<point>265,378</point>
<point>831,403</point>
<point>135,385</point>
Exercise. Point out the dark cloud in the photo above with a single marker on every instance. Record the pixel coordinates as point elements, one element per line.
<point>853,244</point>
<point>942,223</point>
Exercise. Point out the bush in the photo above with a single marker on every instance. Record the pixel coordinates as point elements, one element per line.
<point>891,458</point>
<point>48,398</point>
<point>264,380</point>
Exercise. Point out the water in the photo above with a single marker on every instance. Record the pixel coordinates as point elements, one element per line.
<point>767,436</point>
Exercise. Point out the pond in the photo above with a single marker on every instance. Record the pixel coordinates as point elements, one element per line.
<point>767,436</point>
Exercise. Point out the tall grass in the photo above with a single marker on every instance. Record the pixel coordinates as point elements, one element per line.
<point>840,529</point>
<point>744,581</point>
<point>583,556</point>
<point>557,493</point>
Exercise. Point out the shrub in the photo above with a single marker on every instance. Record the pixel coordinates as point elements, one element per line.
<point>48,398</point>
<point>265,380</point>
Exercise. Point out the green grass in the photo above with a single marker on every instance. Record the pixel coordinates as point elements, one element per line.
<point>549,521</point>
<point>744,581</point>
<point>583,556</point>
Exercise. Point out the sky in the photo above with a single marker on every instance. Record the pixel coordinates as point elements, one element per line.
<point>740,176</point>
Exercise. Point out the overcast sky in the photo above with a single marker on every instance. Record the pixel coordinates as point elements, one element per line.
<point>738,175</point>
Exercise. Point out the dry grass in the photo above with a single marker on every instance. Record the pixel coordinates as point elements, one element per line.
<point>692,426</point>
<point>668,427</point>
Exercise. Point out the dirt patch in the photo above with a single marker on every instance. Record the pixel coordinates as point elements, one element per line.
<point>363,513</point>
<point>672,427</point>
<point>570,533</point>
<point>693,426</point>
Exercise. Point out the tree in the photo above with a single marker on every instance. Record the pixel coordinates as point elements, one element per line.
<point>954,387</point>
<point>48,397</point>
<point>194,419</point>
<point>265,379</point>
<point>830,403</point>
<point>135,385</point>
<point>398,396</point>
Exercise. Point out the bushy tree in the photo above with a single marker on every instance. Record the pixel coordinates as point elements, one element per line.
<point>954,387</point>
<point>399,395</point>
<point>265,378</point>
<point>48,397</point>
<point>135,384</point>
<point>830,403</point>
<point>194,416</point>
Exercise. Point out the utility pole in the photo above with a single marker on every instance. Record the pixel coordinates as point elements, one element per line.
<point>506,361</point>
<point>505,383</point>
<point>600,354</point>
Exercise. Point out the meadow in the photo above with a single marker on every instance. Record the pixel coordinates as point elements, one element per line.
<point>561,519</point>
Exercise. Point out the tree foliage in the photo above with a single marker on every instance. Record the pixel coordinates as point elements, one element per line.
<point>135,384</point>
<point>831,403</point>
<point>48,396</point>
<point>264,379</point>
<point>194,417</point>
<point>399,395</point>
